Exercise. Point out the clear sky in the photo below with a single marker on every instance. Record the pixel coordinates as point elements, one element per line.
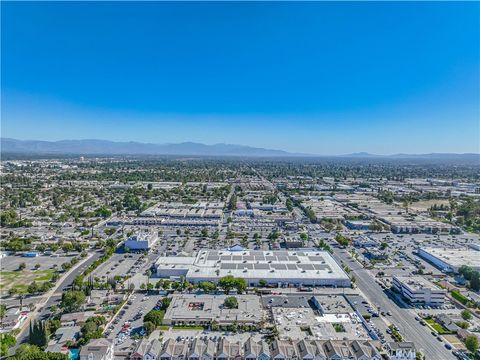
<point>324,78</point>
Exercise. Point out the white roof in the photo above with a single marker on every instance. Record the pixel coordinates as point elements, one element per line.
<point>252,264</point>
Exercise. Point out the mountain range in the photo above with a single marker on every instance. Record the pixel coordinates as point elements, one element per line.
<point>106,147</point>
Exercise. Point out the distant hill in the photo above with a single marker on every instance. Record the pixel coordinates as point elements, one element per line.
<point>105,147</point>
<point>431,156</point>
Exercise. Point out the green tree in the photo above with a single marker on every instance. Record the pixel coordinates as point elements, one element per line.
<point>155,317</point>
<point>227,283</point>
<point>466,315</point>
<point>462,324</point>
<point>262,282</point>
<point>207,286</point>
<point>289,205</point>
<point>3,311</point>
<point>471,342</point>
<point>214,326</point>
<point>149,327</point>
<point>232,203</point>
<point>7,341</point>
<point>231,302</point>
<point>38,334</point>
<point>72,300</point>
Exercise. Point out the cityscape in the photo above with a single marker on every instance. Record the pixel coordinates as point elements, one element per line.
<point>151,210</point>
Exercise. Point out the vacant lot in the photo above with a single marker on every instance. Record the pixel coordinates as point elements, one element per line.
<point>12,263</point>
<point>21,279</point>
<point>424,205</point>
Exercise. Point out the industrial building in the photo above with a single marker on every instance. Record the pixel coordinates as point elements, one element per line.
<point>418,290</point>
<point>450,260</point>
<point>279,268</point>
<point>358,224</point>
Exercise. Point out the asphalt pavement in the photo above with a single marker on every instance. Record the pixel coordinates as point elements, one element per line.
<point>65,283</point>
<point>403,318</point>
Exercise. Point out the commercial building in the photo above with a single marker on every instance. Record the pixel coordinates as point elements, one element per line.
<point>279,268</point>
<point>400,224</point>
<point>450,260</point>
<point>418,290</point>
<point>204,309</point>
<point>141,241</point>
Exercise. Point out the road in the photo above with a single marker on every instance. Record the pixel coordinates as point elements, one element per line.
<point>404,319</point>
<point>44,310</point>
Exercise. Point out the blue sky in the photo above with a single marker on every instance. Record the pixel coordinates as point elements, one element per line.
<point>324,78</point>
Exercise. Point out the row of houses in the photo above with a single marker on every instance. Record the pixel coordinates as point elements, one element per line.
<point>228,349</point>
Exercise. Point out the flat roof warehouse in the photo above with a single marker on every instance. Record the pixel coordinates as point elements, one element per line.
<point>302,267</point>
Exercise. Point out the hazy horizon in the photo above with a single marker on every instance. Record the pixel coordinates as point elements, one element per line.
<point>316,78</point>
<point>360,152</point>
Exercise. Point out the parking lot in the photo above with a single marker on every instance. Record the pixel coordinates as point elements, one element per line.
<point>129,322</point>
<point>119,265</point>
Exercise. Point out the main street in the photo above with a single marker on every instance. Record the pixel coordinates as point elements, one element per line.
<point>43,309</point>
<point>403,318</point>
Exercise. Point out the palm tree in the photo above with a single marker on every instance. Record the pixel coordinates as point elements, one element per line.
<point>148,273</point>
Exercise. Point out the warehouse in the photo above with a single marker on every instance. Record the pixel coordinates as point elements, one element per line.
<point>279,268</point>
<point>450,260</point>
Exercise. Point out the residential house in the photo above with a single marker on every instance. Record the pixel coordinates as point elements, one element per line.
<point>154,351</point>
<point>173,350</point>
<point>141,350</point>
<point>447,322</point>
<point>283,350</point>
<point>363,350</point>
<point>319,351</point>
<point>254,350</point>
<point>337,350</point>
<point>198,348</point>
<point>78,318</point>
<point>306,350</point>
<point>97,349</point>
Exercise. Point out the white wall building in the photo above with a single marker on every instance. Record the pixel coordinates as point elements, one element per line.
<point>450,260</point>
<point>141,241</point>
<point>418,290</point>
<point>279,268</point>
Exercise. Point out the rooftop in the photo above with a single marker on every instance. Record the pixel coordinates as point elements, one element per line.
<point>250,264</point>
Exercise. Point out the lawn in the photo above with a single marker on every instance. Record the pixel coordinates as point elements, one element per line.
<point>21,279</point>
<point>7,276</point>
<point>458,296</point>
<point>43,275</point>
<point>436,326</point>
